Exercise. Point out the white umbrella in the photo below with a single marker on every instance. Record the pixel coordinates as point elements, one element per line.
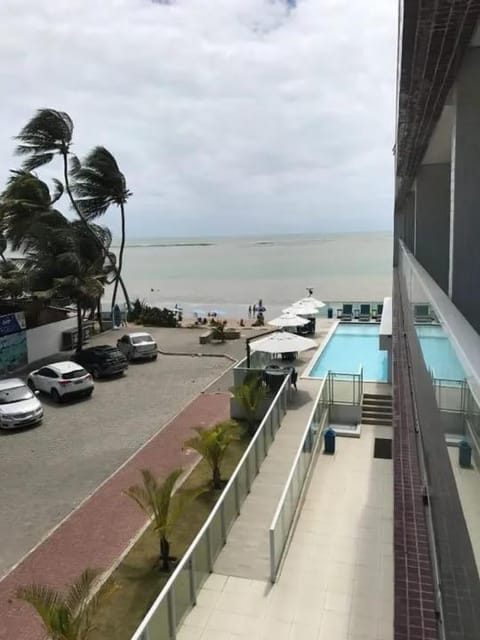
<point>311,301</point>
<point>301,309</point>
<point>288,320</point>
<point>283,342</point>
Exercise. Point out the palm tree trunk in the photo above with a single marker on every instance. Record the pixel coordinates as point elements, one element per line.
<point>99,313</point>
<point>79,328</point>
<point>85,222</point>
<point>120,258</point>
<point>217,480</point>
<point>165,554</point>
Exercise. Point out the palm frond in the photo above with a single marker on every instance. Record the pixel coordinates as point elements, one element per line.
<point>98,183</point>
<point>45,601</point>
<point>79,592</point>
<point>59,190</point>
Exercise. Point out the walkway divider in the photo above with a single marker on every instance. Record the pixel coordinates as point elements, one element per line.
<point>284,517</point>
<point>179,594</point>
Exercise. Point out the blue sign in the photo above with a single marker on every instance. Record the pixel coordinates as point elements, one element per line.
<point>12,323</point>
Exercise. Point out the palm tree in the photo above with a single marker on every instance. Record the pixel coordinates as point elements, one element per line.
<point>13,279</point>
<point>47,134</point>
<point>99,183</point>
<point>67,616</point>
<point>26,208</point>
<point>212,444</point>
<point>250,395</point>
<point>158,501</point>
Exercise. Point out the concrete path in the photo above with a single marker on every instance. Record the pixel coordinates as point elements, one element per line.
<point>337,580</point>
<point>246,553</point>
<point>102,528</point>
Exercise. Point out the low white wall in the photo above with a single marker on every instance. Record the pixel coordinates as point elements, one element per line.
<point>46,340</point>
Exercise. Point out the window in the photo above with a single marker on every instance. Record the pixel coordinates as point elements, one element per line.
<point>47,373</point>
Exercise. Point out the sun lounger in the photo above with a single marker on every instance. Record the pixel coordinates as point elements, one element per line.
<point>422,313</point>
<point>364,313</point>
<point>346,312</point>
<point>377,316</point>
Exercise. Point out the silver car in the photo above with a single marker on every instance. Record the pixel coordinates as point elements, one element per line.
<point>19,405</point>
<point>138,346</point>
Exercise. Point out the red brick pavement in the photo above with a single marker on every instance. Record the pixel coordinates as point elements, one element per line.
<point>99,531</point>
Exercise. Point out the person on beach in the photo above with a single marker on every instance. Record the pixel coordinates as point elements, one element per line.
<point>250,311</point>
<point>254,309</point>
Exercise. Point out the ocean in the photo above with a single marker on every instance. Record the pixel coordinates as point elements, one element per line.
<point>229,274</point>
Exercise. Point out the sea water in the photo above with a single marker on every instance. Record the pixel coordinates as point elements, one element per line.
<point>229,274</point>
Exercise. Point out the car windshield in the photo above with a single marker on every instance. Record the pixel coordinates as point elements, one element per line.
<point>15,394</point>
<point>144,338</point>
<point>77,373</point>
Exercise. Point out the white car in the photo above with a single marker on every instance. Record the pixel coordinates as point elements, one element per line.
<point>19,406</point>
<point>138,346</point>
<point>62,380</point>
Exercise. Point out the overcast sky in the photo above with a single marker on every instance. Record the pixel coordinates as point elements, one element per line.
<point>227,116</point>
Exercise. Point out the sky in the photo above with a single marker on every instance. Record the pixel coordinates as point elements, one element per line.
<point>227,117</point>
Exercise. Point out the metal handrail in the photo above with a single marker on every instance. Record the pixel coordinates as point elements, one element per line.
<point>188,554</point>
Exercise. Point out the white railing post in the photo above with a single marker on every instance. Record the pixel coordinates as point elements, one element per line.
<point>209,550</point>
<point>193,585</point>
<point>222,523</point>
<point>273,563</point>
<point>172,622</point>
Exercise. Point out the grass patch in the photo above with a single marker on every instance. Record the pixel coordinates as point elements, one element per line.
<point>138,581</point>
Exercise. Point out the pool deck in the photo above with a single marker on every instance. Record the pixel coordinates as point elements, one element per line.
<point>337,579</point>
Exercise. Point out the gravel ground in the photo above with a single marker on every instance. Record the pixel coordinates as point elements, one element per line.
<point>47,471</point>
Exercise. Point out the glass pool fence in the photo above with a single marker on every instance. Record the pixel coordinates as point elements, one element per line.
<point>287,506</point>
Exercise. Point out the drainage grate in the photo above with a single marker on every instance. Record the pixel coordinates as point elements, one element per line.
<point>383,448</point>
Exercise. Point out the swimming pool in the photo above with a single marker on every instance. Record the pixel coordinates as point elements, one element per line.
<point>350,347</point>
<point>438,353</point>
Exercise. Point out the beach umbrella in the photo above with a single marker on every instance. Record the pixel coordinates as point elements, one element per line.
<point>283,342</point>
<point>302,309</point>
<point>288,320</point>
<point>311,301</point>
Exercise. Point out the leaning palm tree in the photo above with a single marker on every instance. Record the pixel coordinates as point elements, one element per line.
<point>67,616</point>
<point>97,184</point>
<point>159,501</point>
<point>48,134</point>
<point>212,444</point>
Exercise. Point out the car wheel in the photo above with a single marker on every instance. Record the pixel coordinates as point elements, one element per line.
<point>155,356</point>
<point>55,395</point>
<point>96,373</point>
<point>31,385</point>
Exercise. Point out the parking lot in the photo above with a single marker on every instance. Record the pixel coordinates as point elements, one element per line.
<point>46,471</point>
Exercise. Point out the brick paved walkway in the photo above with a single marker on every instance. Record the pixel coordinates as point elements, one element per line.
<point>98,532</point>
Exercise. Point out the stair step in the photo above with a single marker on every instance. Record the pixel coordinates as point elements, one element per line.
<point>376,416</point>
<point>377,400</point>
<point>379,396</point>
<point>377,421</point>
<point>375,407</point>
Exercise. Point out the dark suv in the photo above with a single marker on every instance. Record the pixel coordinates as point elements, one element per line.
<point>102,360</point>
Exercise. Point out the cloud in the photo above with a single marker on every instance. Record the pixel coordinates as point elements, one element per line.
<point>227,116</point>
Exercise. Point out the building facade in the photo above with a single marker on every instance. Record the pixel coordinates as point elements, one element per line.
<point>437,285</point>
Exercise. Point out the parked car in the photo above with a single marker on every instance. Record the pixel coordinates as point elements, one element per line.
<point>138,345</point>
<point>19,405</point>
<point>102,360</point>
<point>61,380</point>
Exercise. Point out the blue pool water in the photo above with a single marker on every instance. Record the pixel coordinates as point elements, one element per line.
<point>352,346</point>
<point>438,353</point>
